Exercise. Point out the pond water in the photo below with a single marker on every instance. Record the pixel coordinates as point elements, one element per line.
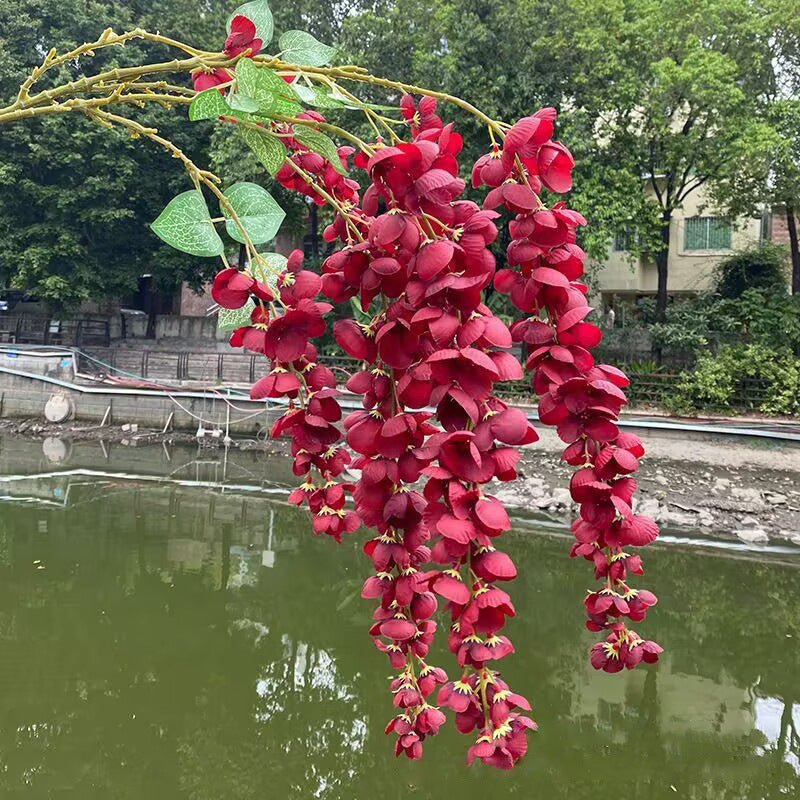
<point>186,639</point>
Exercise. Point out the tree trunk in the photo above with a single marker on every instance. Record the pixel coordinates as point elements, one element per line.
<point>662,265</point>
<point>791,224</point>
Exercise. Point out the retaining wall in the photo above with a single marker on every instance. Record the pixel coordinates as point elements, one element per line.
<point>22,396</point>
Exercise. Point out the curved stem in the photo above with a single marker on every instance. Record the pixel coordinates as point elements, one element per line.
<point>350,74</point>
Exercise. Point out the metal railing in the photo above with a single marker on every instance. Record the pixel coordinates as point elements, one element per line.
<point>63,331</point>
<point>646,389</point>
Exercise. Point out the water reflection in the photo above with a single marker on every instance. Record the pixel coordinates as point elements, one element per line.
<point>165,641</point>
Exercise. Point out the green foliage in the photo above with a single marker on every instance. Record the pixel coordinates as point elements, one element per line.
<point>761,267</point>
<point>300,47</point>
<point>208,104</point>
<point>76,200</point>
<point>260,215</point>
<point>186,225</point>
<point>714,382</point>
<point>271,94</point>
<point>270,150</point>
<point>229,319</point>
<point>760,316</point>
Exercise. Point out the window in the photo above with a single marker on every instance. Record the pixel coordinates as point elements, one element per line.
<point>707,233</point>
<point>624,240</point>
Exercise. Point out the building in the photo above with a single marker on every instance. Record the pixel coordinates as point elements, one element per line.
<point>699,240</point>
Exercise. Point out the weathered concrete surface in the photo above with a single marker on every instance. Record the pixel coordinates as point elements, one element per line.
<point>733,487</point>
<point>24,397</point>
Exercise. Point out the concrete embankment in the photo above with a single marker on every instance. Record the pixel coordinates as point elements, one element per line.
<point>29,380</point>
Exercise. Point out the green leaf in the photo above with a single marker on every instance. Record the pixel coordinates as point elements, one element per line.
<point>319,143</point>
<point>258,212</point>
<point>270,150</point>
<point>229,319</point>
<point>300,47</point>
<point>359,315</point>
<point>259,14</point>
<point>208,104</point>
<point>241,102</point>
<point>316,96</point>
<point>267,88</point>
<point>186,225</point>
<point>320,98</point>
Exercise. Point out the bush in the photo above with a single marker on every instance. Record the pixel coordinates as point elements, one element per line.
<point>760,267</point>
<point>713,383</point>
<point>759,316</point>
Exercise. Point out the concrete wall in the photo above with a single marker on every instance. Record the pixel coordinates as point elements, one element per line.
<point>26,397</point>
<point>198,329</point>
<point>689,272</point>
<point>193,304</point>
<point>55,366</point>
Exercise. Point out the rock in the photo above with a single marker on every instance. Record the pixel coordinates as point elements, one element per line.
<point>748,520</point>
<point>721,485</point>
<point>776,499</point>
<point>705,519</point>
<point>562,497</point>
<point>670,517</point>
<point>753,535</point>
<point>649,507</point>
<point>748,495</point>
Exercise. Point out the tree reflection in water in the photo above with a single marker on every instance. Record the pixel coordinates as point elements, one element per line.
<point>170,648</point>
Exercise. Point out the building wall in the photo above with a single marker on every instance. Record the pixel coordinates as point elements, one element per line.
<point>193,304</point>
<point>689,272</point>
<point>779,227</point>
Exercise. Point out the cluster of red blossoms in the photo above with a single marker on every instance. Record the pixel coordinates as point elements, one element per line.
<point>432,435</point>
<point>580,398</point>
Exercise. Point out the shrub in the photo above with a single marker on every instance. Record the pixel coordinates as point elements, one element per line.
<point>713,383</point>
<point>761,267</point>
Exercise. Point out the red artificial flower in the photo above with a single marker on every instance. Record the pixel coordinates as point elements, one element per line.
<point>232,289</point>
<point>203,79</point>
<point>242,38</point>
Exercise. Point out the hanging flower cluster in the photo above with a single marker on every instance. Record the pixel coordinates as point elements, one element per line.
<point>281,328</point>
<point>432,434</point>
<point>580,398</point>
<point>420,261</point>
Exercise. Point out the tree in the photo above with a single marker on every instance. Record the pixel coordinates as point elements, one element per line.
<point>669,92</point>
<point>70,194</point>
<point>766,175</point>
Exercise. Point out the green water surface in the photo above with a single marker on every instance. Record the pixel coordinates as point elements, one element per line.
<point>178,641</point>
